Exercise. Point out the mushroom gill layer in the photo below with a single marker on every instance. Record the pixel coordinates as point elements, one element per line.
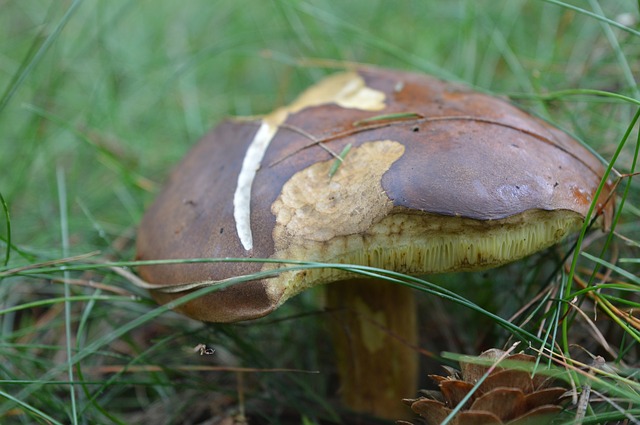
<point>419,243</point>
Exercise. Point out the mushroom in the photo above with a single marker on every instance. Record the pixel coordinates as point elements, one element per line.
<point>438,178</point>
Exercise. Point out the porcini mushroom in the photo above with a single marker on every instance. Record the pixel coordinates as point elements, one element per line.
<point>438,179</point>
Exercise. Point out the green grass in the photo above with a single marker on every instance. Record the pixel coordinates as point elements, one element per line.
<point>99,98</point>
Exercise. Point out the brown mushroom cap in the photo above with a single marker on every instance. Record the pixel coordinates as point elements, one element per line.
<point>438,179</point>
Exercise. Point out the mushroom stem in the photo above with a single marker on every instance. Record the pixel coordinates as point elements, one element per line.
<point>375,335</point>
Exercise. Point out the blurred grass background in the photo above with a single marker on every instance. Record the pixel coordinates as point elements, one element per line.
<point>99,98</point>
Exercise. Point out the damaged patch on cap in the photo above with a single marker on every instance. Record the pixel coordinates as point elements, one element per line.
<point>347,90</point>
<point>316,207</point>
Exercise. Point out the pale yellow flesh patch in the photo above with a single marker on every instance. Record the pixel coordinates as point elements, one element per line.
<point>314,207</point>
<point>347,90</point>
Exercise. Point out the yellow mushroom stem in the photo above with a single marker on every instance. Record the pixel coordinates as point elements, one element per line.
<point>374,330</point>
